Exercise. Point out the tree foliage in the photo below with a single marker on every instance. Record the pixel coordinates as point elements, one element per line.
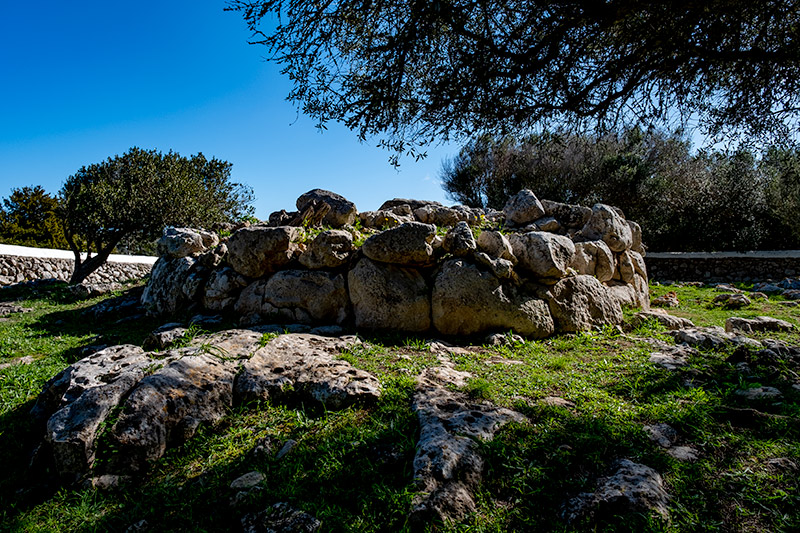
<point>29,217</point>
<point>138,194</point>
<point>414,71</point>
<point>708,200</point>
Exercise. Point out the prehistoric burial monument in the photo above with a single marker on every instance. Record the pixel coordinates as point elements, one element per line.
<point>537,268</point>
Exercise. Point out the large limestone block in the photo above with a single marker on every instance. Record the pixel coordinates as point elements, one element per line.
<point>594,258</point>
<point>167,407</point>
<point>579,303</point>
<point>342,210</point>
<point>407,244</point>
<point>543,254</point>
<point>163,294</point>
<point>523,208</point>
<point>222,289</point>
<point>389,297</point>
<point>320,294</point>
<point>301,368</point>
<point>329,249</point>
<point>258,250</point>
<point>607,225</point>
<point>467,301</point>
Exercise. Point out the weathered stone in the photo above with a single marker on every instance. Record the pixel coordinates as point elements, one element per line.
<point>259,250</point>
<point>594,258</point>
<point>760,393</point>
<point>632,488</point>
<point>181,242</point>
<point>579,303</point>
<point>383,219</point>
<point>389,297</point>
<point>496,244</point>
<point>733,300</point>
<point>342,211</point>
<point>570,216</point>
<point>468,301</point>
<point>164,336</point>
<point>9,308</point>
<point>459,241</point>
<point>167,407</point>
<point>84,291</point>
<point>447,465</point>
<point>407,244</point>
<point>713,337</point>
<point>625,267</point>
<point>543,254</point>
<point>213,257</point>
<point>222,289</point>
<point>759,323</point>
<point>607,225</point>
<point>501,268</point>
<point>84,394</point>
<point>662,317</point>
<point>636,238</point>
<point>247,481</point>
<point>667,300</point>
<point>163,294</point>
<point>523,207</point>
<point>330,249</point>
<point>548,224</point>
<point>413,204</point>
<point>280,517</point>
<point>662,434</point>
<point>297,295</point>
<point>304,368</point>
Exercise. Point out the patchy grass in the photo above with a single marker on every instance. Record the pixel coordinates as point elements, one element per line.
<point>353,469</point>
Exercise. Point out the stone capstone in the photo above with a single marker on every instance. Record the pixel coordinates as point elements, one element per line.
<point>259,250</point>
<point>389,297</point>
<point>342,211</point>
<point>469,301</point>
<point>579,303</point>
<point>302,367</point>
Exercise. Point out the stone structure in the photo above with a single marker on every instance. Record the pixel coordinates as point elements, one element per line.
<point>18,264</point>
<point>537,267</point>
<point>723,266</point>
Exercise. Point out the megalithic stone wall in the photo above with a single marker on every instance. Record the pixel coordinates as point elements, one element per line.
<point>535,268</point>
<point>19,264</point>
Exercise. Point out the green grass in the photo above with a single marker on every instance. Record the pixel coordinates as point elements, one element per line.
<point>353,469</point>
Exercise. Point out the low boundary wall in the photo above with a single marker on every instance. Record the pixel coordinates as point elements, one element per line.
<point>22,263</point>
<point>723,266</point>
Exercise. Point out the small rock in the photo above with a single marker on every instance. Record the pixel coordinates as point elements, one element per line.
<point>662,317</point>
<point>733,301</point>
<point>685,454</point>
<point>759,393</point>
<point>459,240</point>
<point>287,447</point>
<point>247,481</point>
<point>759,323</point>
<point>164,336</point>
<point>662,434</point>
<point>281,517</point>
<point>781,464</point>
<point>556,401</point>
<point>668,300</point>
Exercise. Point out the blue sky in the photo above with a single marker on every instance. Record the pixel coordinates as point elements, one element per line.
<point>86,80</point>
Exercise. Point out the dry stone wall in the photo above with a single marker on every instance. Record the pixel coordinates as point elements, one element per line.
<point>17,269</point>
<point>724,266</point>
<point>536,268</point>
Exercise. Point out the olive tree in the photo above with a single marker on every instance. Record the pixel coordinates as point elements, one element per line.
<point>138,194</point>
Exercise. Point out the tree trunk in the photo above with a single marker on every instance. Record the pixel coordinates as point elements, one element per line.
<point>83,269</point>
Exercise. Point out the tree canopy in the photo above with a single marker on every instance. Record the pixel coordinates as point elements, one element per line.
<point>29,217</point>
<point>414,71</point>
<point>141,192</point>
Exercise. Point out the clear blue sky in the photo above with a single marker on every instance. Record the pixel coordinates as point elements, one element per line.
<point>85,80</point>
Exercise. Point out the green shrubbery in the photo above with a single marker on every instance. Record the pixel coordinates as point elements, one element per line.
<point>684,200</point>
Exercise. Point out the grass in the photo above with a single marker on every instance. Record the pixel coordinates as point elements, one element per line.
<point>353,469</point>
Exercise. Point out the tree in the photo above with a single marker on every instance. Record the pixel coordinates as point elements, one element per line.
<point>416,71</point>
<point>29,218</point>
<point>704,201</point>
<point>138,194</point>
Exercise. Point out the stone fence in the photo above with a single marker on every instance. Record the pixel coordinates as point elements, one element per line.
<point>723,266</point>
<point>22,263</point>
<point>535,268</point>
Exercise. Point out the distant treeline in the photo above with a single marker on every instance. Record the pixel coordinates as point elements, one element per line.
<point>684,200</point>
